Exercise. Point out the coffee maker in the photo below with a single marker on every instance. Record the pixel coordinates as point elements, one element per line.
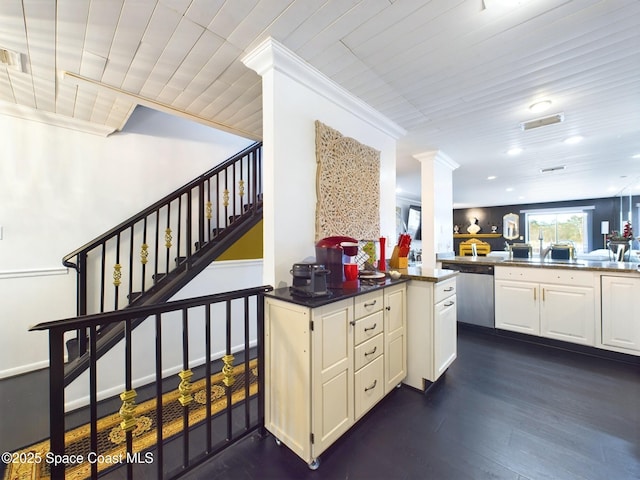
<point>331,252</point>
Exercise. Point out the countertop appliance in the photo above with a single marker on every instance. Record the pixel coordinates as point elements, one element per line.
<point>474,285</point>
<point>333,252</point>
<point>309,280</point>
<point>562,251</point>
<point>520,250</point>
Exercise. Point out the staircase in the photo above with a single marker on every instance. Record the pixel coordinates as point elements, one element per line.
<point>148,258</point>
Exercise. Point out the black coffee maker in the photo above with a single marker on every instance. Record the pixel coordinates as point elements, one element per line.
<point>330,251</point>
<point>309,280</point>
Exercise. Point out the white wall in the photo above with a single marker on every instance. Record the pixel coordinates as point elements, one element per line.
<point>61,188</point>
<point>294,97</point>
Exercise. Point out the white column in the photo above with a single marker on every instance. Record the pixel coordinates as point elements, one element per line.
<point>436,172</point>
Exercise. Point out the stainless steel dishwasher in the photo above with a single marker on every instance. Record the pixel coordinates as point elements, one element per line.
<point>474,290</point>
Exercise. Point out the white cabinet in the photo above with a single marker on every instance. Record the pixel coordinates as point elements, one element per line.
<point>553,303</point>
<point>568,313</point>
<point>369,348</point>
<point>395,336</point>
<point>621,313</point>
<point>327,366</point>
<point>431,330</point>
<point>517,307</point>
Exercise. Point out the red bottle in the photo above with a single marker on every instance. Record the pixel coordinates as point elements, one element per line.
<point>382,262</point>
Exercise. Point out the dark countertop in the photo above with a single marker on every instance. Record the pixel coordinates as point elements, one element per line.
<point>350,289</point>
<point>619,267</point>
<point>434,275</point>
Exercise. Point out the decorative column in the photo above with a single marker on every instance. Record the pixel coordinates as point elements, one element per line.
<point>436,173</point>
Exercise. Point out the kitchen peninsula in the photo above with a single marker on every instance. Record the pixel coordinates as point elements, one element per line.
<point>583,302</point>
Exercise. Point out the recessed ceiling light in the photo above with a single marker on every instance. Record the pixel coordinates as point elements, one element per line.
<point>573,140</point>
<point>514,151</point>
<point>502,4</point>
<point>510,189</point>
<point>637,155</point>
<point>491,177</point>
<point>540,106</point>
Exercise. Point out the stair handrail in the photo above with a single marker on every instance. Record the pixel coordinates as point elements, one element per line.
<point>66,260</point>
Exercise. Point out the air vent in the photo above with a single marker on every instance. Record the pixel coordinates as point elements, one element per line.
<point>11,59</point>
<point>541,122</point>
<point>552,169</point>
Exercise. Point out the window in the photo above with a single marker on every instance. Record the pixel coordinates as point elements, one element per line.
<point>558,226</point>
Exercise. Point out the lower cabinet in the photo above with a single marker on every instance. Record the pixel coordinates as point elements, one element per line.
<point>431,330</point>
<point>553,303</point>
<point>327,366</point>
<point>621,313</point>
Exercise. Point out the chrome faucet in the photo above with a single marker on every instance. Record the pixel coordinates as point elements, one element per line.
<point>544,253</point>
<point>474,250</point>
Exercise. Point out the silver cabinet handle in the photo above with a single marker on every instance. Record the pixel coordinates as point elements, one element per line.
<point>373,327</point>
<point>371,352</point>
<point>375,382</point>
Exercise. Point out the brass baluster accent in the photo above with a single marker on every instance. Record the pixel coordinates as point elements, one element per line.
<point>241,188</point>
<point>144,253</point>
<point>117,274</point>
<point>127,410</point>
<point>167,238</point>
<point>209,209</point>
<point>185,387</point>
<point>227,370</point>
<point>225,197</point>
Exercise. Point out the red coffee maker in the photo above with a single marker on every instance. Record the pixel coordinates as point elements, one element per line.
<point>331,251</point>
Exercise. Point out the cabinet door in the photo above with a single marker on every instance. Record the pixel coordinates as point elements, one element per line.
<point>621,313</point>
<point>517,306</point>
<point>332,372</point>
<point>395,348</point>
<point>445,331</point>
<point>568,313</point>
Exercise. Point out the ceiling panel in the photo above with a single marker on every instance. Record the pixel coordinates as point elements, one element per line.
<point>459,78</point>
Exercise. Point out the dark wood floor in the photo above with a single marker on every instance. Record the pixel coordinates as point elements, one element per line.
<point>506,409</point>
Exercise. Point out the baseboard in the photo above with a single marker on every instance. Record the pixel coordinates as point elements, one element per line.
<point>22,369</point>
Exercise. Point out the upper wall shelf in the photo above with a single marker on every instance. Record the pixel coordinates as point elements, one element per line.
<point>477,235</point>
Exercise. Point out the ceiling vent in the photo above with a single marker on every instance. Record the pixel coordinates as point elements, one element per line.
<point>12,60</point>
<point>552,169</point>
<point>541,122</point>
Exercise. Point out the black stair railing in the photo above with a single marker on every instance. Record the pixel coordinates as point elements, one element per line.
<point>132,261</point>
<point>221,341</point>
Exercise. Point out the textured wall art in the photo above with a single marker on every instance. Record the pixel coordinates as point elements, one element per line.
<point>347,186</point>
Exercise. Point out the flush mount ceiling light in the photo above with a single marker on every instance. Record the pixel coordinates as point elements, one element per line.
<point>542,122</point>
<point>540,106</point>
<point>573,140</point>
<point>514,151</point>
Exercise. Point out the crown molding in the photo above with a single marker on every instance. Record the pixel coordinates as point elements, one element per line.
<point>438,156</point>
<point>272,55</point>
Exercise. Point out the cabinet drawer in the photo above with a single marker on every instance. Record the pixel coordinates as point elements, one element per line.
<point>444,289</point>
<point>368,327</point>
<point>369,386</point>
<point>368,303</point>
<point>368,351</point>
